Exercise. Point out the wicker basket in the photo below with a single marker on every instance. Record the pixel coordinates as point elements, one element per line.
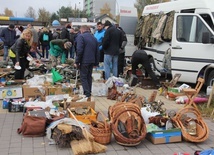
<point>201,126</point>
<point>101,135</point>
<point>121,112</point>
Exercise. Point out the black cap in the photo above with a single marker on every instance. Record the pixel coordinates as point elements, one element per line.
<point>11,26</point>
<point>107,23</point>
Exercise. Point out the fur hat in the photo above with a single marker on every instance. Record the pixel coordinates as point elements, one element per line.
<point>68,45</point>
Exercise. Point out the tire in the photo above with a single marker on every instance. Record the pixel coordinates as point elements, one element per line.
<point>210,79</point>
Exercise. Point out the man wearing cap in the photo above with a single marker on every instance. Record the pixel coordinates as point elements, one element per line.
<point>112,42</point>
<point>58,49</point>
<point>8,36</point>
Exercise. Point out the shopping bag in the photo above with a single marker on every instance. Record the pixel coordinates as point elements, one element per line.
<point>55,75</point>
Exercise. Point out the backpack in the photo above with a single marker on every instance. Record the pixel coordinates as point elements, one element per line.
<point>45,37</point>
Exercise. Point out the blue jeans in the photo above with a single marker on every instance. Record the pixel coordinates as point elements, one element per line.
<point>72,51</point>
<point>5,52</point>
<point>110,61</point>
<point>33,54</point>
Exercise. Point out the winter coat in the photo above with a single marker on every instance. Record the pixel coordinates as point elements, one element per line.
<point>65,34</point>
<point>21,48</point>
<point>57,49</point>
<point>87,49</point>
<point>8,37</point>
<point>112,41</point>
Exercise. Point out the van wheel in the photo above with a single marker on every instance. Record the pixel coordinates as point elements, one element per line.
<point>210,79</point>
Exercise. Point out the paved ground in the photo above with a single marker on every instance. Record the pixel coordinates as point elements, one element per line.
<point>13,144</point>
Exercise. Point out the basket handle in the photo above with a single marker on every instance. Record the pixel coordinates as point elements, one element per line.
<point>104,118</point>
<point>75,118</point>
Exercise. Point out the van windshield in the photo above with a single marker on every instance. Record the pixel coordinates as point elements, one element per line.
<point>207,18</point>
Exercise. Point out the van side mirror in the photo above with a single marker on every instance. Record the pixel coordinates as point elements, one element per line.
<point>205,37</point>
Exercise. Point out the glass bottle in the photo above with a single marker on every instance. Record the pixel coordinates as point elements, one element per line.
<point>192,127</point>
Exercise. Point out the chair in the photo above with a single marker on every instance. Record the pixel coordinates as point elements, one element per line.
<point>191,93</point>
<point>172,83</point>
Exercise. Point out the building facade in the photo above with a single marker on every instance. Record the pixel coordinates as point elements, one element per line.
<point>93,6</point>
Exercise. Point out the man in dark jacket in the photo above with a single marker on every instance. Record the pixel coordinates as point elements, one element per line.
<point>121,56</point>
<point>87,57</point>
<point>112,42</point>
<point>8,36</point>
<point>141,57</point>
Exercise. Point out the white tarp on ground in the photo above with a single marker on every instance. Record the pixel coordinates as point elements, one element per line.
<point>99,89</point>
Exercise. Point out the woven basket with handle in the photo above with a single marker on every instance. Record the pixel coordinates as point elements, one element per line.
<point>103,133</point>
<point>122,111</point>
<point>201,127</point>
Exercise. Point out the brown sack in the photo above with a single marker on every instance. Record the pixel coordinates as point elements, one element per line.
<point>32,126</point>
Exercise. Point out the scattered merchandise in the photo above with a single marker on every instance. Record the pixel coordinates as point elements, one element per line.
<point>54,105</point>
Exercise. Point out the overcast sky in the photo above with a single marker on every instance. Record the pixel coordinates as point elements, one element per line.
<point>19,7</point>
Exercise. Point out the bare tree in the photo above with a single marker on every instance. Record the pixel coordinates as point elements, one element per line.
<point>44,15</point>
<point>106,10</point>
<point>30,12</point>
<point>140,4</point>
<point>8,12</point>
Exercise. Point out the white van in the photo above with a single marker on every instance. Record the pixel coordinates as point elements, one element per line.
<point>192,46</point>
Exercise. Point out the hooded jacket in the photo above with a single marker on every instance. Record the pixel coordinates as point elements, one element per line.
<point>57,48</point>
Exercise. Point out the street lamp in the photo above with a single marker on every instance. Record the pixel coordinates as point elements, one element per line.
<point>79,11</point>
<point>117,8</point>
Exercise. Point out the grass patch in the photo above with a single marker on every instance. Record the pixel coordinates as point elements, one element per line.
<point>206,112</point>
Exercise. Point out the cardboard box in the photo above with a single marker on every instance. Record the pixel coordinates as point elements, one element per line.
<point>35,92</point>
<point>86,118</point>
<point>165,136</point>
<point>11,92</point>
<point>82,104</point>
<point>57,90</point>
